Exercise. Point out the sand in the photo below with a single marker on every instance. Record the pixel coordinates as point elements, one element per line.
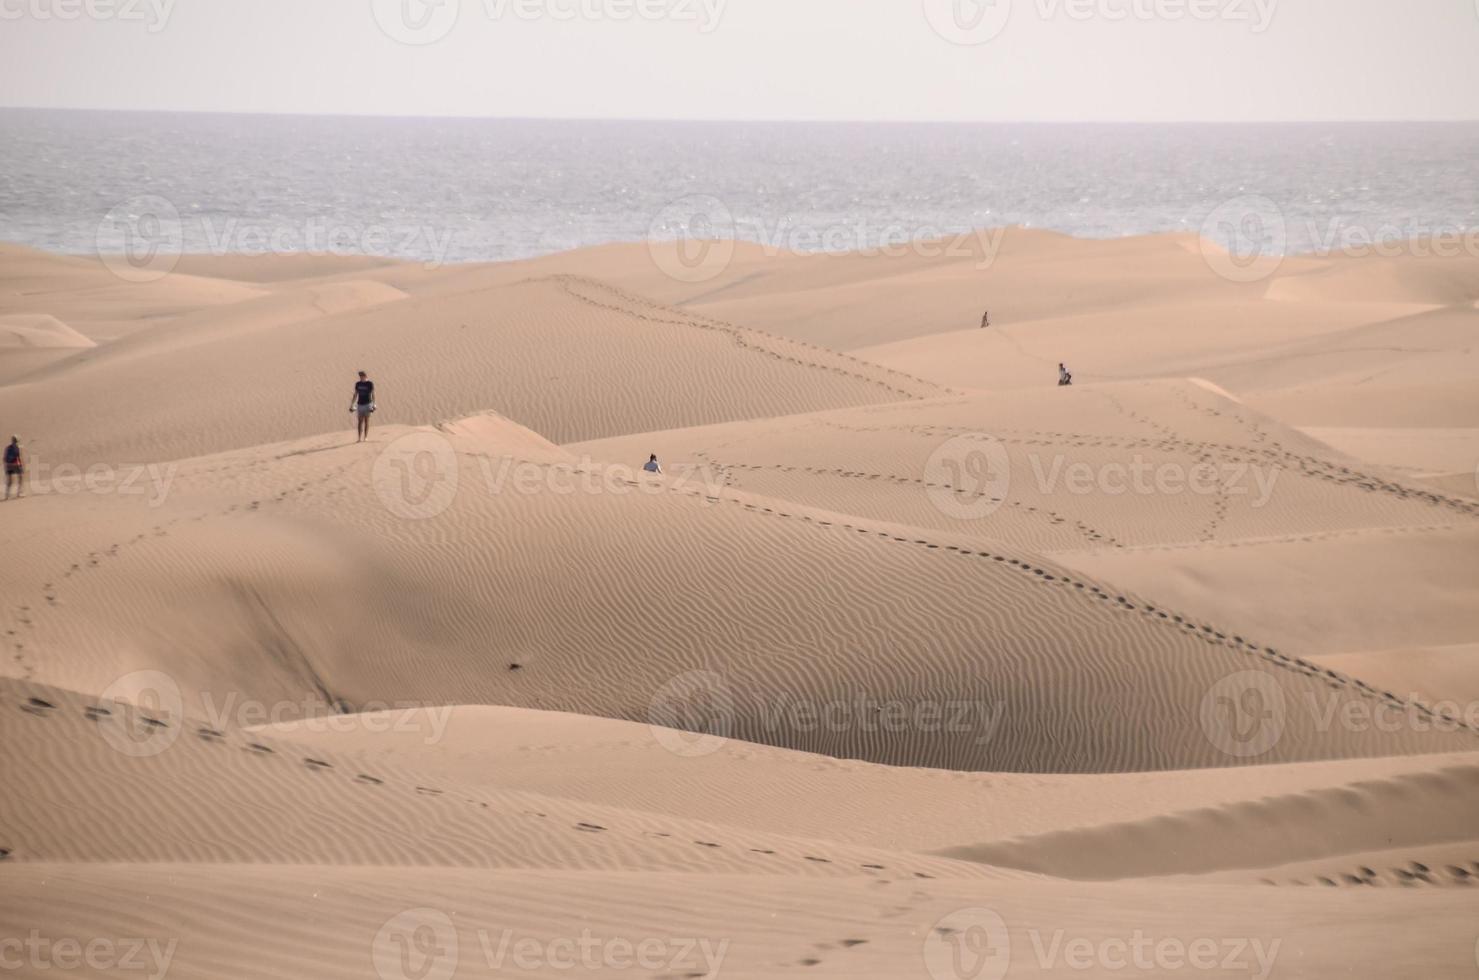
<point>909,664</point>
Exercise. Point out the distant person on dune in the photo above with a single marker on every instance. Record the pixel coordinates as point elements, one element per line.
<point>363,403</point>
<point>985,319</point>
<point>15,468</point>
<point>653,466</point>
<point>1065,378</point>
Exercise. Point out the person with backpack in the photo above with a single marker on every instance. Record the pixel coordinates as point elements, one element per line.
<point>15,468</point>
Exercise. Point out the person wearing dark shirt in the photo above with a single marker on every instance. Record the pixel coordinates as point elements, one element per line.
<point>15,468</point>
<point>363,404</point>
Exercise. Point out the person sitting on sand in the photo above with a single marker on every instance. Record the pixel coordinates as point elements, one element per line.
<point>1065,378</point>
<point>363,403</point>
<point>653,466</point>
<point>15,468</point>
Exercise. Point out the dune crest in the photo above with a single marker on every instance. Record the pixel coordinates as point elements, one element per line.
<point>33,330</point>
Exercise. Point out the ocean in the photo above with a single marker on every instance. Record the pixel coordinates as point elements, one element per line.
<point>448,190</point>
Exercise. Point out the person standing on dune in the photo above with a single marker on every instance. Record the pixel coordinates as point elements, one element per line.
<point>362,404</point>
<point>15,468</point>
<point>1065,377</point>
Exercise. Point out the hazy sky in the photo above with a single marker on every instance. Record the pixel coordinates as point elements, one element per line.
<point>747,59</point>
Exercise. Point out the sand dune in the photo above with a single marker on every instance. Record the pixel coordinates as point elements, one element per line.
<point>1432,674</point>
<point>312,569</point>
<point>278,269</point>
<point>344,922</point>
<point>1435,272</point>
<point>1418,586</point>
<point>230,780</point>
<point>83,292</point>
<point>907,648</point>
<point>859,300</point>
<point>1418,810</point>
<point>1173,340</point>
<point>627,764</point>
<point>1422,452</point>
<point>570,358</point>
<point>1101,467</point>
<point>38,330</point>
